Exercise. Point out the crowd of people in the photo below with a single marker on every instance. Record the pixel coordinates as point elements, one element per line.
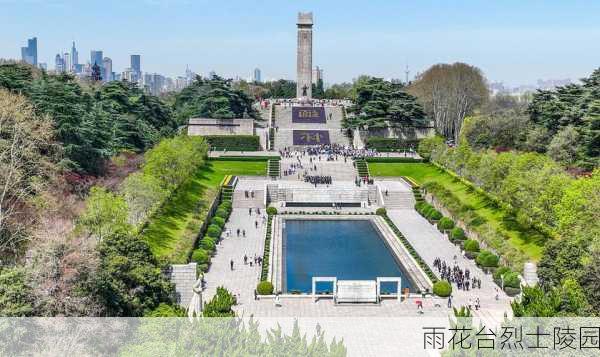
<point>456,275</point>
<point>318,179</point>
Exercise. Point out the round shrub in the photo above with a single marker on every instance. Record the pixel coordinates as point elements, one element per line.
<point>264,288</point>
<point>445,224</point>
<point>381,211</point>
<point>457,233</point>
<point>419,206</point>
<point>225,208</point>
<point>501,271</point>
<point>201,256</point>
<point>271,211</point>
<point>223,213</point>
<point>442,288</point>
<point>213,231</point>
<point>426,210</point>
<point>511,280</point>
<point>471,245</point>
<point>435,215</point>
<point>487,259</point>
<point>218,221</point>
<point>226,204</point>
<point>208,244</point>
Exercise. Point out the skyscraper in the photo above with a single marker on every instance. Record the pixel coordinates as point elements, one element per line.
<point>29,53</point>
<point>317,74</point>
<point>96,58</point>
<point>108,72</point>
<point>257,78</point>
<point>59,66</point>
<point>136,68</point>
<point>136,63</point>
<point>74,58</point>
<point>67,62</point>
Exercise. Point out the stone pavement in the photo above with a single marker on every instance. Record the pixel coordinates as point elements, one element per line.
<point>431,244</point>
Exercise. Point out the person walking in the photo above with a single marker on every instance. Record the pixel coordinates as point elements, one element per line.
<point>231,264</point>
<point>450,301</point>
<point>245,259</point>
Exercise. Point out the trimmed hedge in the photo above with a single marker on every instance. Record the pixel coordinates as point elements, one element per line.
<point>218,221</point>
<point>457,233</point>
<point>487,259</point>
<point>442,288</point>
<point>471,245</point>
<point>381,211</point>
<point>511,280</point>
<point>271,211</point>
<point>244,158</point>
<point>404,160</point>
<point>390,144</point>
<point>208,243</point>
<point>201,256</point>
<point>264,288</point>
<point>445,224</point>
<point>434,215</point>
<point>223,213</point>
<point>234,142</point>
<point>213,231</point>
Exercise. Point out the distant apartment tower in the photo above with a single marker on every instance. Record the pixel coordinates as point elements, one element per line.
<point>317,74</point>
<point>67,62</point>
<point>257,78</point>
<point>108,71</point>
<point>29,53</point>
<point>136,68</point>
<point>96,57</point>
<point>59,65</point>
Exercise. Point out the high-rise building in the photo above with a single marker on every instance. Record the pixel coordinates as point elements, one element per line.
<point>67,62</point>
<point>136,68</point>
<point>29,53</point>
<point>96,58</point>
<point>317,74</point>
<point>59,65</point>
<point>108,72</point>
<point>257,78</point>
<point>136,63</point>
<point>74,59</point>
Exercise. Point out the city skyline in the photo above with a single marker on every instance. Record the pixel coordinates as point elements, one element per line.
<point>513,42</point>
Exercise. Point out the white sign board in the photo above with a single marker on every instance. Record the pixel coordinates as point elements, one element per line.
<point>356,291</point>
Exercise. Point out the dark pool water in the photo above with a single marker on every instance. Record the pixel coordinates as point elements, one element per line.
<point>346,249</point>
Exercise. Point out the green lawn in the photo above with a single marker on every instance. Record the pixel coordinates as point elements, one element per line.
<point>172,231</point>
<point>420,172</point>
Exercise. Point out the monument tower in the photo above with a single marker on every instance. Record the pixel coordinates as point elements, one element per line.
<point>304,60</point>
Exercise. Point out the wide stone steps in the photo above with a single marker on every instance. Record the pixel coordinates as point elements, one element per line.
<point>398,199</point>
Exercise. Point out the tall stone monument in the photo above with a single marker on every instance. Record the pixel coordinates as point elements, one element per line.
<point>304,60</point>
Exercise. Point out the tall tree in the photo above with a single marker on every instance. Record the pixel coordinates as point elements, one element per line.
<point>450,92</point>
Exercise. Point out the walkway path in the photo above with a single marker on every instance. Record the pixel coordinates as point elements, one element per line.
<point>431,244</point>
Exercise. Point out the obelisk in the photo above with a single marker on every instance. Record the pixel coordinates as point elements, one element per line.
<point>304,60</point>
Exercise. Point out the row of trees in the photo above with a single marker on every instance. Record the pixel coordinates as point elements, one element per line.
<point>543,196</point>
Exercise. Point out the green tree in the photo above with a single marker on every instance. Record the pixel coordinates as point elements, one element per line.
<point>130,281</point>
<point>106,214</point>
<point>15,294</point>
<point>143,194</point>
<point>380,103</point>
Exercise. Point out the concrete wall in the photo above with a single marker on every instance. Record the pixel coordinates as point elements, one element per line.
<point>204,126</point>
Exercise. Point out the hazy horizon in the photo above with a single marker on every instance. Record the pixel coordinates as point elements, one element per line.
<point>511,41</point>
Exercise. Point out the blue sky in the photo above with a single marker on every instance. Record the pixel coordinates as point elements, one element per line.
<point>516,41</point>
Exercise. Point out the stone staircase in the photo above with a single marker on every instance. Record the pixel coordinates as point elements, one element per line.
<point>284,133</point>
<point>398,200</point>
<point>240,200</point>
